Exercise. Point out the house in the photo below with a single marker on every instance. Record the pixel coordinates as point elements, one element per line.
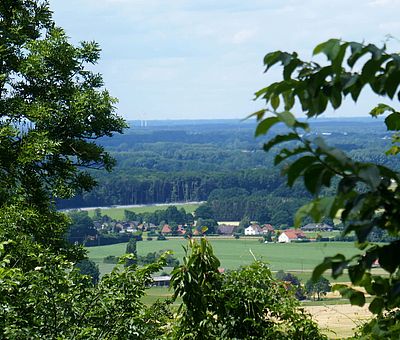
<point>317,227</point>
<point>181,230</point>
<point>161,281</point>
<point>253,229</point>
<point>225,229</point>
<point>196,232</point>
<point>166,229</point>
<point>291,235</point>
<point>266,228</point>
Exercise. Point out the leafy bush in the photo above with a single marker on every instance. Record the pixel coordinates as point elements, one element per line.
<point>241,304</point>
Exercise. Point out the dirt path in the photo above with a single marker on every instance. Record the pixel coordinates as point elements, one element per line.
<point>339,321</point>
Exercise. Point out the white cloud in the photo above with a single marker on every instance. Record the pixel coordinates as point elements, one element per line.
<point>243,36</point>
<point>203,58</point>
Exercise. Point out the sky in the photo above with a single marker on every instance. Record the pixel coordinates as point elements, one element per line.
<point>202,59</point>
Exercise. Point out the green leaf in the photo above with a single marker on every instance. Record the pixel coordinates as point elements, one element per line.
<point>287,118</point>
<point>288,69</point>
<point>392,82</point>
<point>286,153</point>
<point>370,175</point>
<point>338,267</point>
<point>357,51</point>
<point>301,214</point>
<point>320,269</point>
<point>264,126</point>
<point>356,273</point>
<point>381,109</point>
<point>355,92</point>
<point>328,262</point>
<point>271,58</point>
<point>393,121</point>
<point>334,154</point>
<point>259,114</point>
<point>377,305</point>
<point>280,139</point>
<point>347,184</point>
<point>357,298</point>
<point>335,98</point>
<point>275,101</point>
<point>330,48</point>
<point>288,99</point>
<point>313,177</point>
<point>349,81</point>
<point>298,167</point>
<point>389,256</point>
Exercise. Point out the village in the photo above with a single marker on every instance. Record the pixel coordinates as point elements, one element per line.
<point>310,232</point>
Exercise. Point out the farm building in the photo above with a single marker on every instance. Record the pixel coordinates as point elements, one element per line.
<point>291,235</point>
<point>166,229</point>
<point>225,229</point>
<point>161,281</point>
<point>317,227</point>
<point>266,228</point>
<point>253,229</point>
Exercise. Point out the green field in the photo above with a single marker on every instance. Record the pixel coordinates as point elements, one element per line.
<point>297,257</point>
<point>118,213</point>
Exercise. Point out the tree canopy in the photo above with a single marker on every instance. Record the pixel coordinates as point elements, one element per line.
<point>366,195</point>
<point>52,107</point>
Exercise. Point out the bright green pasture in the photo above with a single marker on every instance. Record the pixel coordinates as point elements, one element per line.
<point>234,253</point>
<point>118,213</point>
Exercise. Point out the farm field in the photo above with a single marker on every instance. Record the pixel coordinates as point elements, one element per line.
<point>339,321</point>
<point>336,317</point>
<point>118,212</point>
<point>297,257</point>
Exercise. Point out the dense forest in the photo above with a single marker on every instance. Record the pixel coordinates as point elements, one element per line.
<point>220,161</point>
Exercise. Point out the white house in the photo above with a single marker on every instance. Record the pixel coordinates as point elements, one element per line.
<point>290,235</point>
<point>253,230</point>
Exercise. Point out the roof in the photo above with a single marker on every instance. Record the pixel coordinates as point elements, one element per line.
<point>226,229</point>
<point>316,226</point>
<point>166,229</point>
<point>294,234</point>
<point>268,227</point>
<point>181,230</point>
<point>161,278</point>
<point>255,227</point>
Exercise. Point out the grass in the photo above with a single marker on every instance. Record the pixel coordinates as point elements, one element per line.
<point>299,258</point>
<point>159,293</point>
<point>118,213</point>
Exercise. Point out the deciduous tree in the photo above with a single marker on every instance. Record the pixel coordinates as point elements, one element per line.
<point>367,195</point>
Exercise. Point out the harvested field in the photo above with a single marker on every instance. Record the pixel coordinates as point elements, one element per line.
<point>339,321</point>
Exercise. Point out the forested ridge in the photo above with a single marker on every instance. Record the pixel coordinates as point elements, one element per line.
<point>219,161</point>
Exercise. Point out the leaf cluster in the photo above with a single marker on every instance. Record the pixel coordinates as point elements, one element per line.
<point>243,304</point>
<point>367,194</point>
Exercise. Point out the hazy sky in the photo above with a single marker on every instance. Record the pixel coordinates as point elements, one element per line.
<point>191,59</point>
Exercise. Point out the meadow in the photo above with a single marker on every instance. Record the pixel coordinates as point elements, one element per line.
<point>294,257</point>
<point>297,258</point>
<point>117,213</point>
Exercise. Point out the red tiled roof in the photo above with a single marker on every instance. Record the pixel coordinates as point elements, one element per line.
<point>166,229</point>
<point>293,234</point>
<point>268,227</point>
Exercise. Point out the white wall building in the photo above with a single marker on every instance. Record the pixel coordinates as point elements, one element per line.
<point>252,230</point>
